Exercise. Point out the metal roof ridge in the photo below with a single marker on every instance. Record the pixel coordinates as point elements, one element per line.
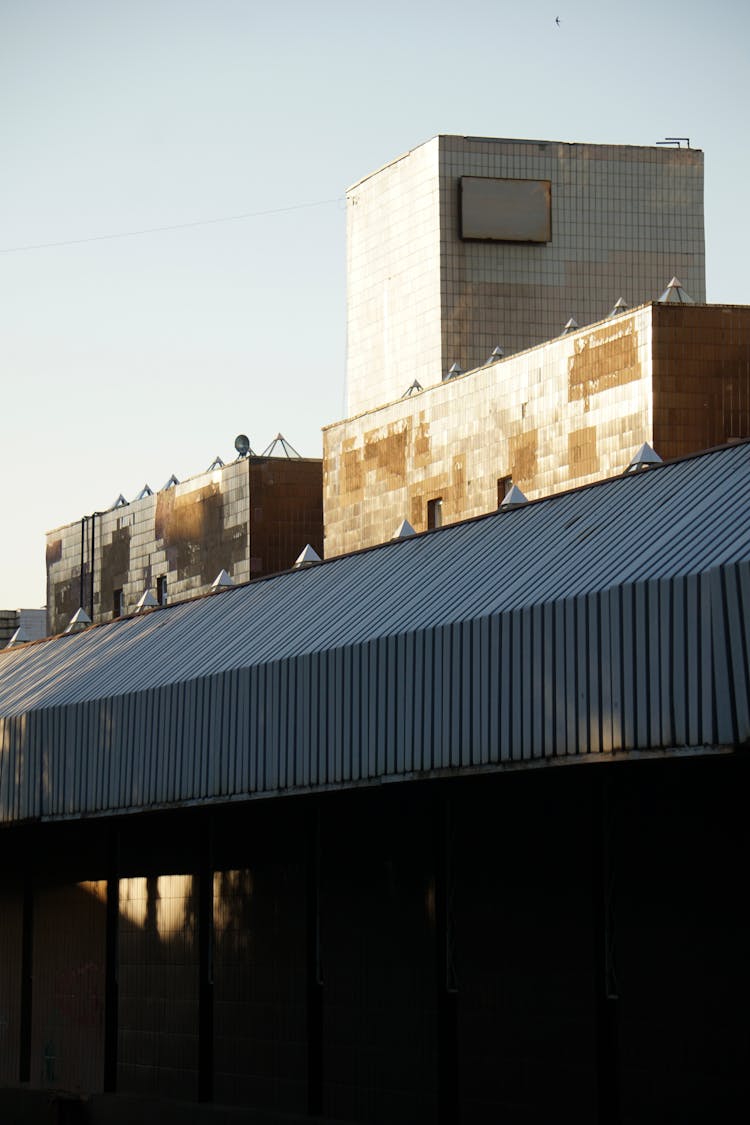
<point>617,480</point>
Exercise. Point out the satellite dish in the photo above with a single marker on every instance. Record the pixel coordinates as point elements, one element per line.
<point>242,444</point>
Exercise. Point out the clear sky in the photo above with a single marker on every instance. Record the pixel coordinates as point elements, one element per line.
<point>124,360</point>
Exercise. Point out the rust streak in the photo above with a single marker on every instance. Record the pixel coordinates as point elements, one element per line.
<point>603,359</point>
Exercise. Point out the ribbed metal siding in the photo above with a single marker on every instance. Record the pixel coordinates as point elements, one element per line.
<point>662,663</point>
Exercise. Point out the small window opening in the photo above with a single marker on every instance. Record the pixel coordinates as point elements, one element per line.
<point>504,486</point>
<point>161,590</point>
<point>435,512</point>
<point>117,603</point>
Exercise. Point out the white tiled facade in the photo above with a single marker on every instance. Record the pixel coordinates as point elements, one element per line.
<point>624,220</point>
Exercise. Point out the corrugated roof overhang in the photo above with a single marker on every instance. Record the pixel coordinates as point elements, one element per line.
<point>610,619</point>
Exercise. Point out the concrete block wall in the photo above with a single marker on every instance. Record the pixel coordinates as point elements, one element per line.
<point>158,987</point>
<point>9,619</point>
<point>67,1026</point>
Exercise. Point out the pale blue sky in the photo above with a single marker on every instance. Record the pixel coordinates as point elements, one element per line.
<point>125,360</point>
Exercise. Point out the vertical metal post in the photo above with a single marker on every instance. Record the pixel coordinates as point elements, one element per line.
<point>448,1107</point>
<point>314,969</point>
<point>604,954</point>
<point>249,517</point>
<point>206,967</point>
<point>83,557</point>
<point>27,953</point>
<point>111,993</point>
<point>92,559</point>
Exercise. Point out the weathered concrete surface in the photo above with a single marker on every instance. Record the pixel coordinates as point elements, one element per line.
<point>566,413</point>
<point>250,518</point>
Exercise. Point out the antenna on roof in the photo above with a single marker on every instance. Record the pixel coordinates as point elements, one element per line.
<point>120,502</point>
<point>620,306</point>
<point>678,141</point>
<point>570,326</point>
<point>217,463</point>
<point>242,445</point>
<point>145,491</point>
<point>415,386</point>
<point>497,353</point>
<point>287,450</point>
<point>453,372</point>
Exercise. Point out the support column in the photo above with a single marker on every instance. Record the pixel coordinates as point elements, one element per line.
<point>604,958</point>
<point>111,956</point>
<point>206,966</point>
<point>27,954</point>
<point>448,1106</point>
<point>314,968</point>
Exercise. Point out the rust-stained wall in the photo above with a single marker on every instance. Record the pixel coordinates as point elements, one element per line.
<point>286,508</point>
<point>197,539</point>
<point>565,413</point>
<point>701,376</point>
<point>569,412</point>
<point>250,518</point>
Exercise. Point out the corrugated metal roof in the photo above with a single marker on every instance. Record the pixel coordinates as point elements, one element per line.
<point>588,597</point>
<point>680,518</point>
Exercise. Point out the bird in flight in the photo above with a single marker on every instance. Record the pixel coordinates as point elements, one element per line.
<point>557,20</point>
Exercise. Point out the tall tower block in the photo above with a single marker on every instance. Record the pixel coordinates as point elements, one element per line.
<point>466,243</point>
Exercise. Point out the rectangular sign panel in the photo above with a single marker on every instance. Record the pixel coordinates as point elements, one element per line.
<point>505,210</point>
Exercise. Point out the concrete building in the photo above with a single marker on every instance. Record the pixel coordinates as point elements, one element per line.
<point>467,243</point>
<point>22,624</point>
<point>449,830</point>
<point>250,518</point>
<point>568,412</point>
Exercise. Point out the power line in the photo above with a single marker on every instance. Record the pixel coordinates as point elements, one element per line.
<point>173,226</point>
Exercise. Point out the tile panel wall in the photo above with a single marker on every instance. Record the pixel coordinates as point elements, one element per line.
<point>625,219</point>
<point>567,413</point>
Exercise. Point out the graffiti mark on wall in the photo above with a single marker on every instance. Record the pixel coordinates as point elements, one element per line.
<point>79,994</point>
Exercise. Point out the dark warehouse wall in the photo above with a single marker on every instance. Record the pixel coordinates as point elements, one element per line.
<point>564,944</point>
